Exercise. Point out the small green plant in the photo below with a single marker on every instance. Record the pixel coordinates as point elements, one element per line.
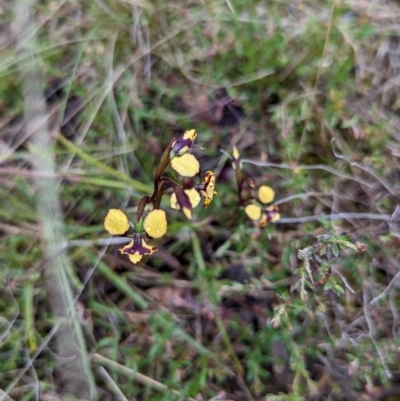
<point>316,263</point>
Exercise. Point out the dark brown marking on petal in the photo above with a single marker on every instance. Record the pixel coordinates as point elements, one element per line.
<point>268,214</point>
<point>138,245</point>
<point>182,198</point>
<point>181,146</point>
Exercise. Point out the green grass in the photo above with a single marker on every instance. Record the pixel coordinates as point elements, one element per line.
<point>306,91</point>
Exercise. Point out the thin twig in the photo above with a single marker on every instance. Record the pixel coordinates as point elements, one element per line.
<point>395,312</point>
<point>393,283</point>
<point>229,84</point>
<point>365,168</point>
<point>110,383</point>
<point>337,216</point>
<point>372,332</point>
<point>345,282</point>
<point>309,167</point>
<point>299,196</point>
<point>99,241</point>
<point>138,377</point>
<point>4,396</point>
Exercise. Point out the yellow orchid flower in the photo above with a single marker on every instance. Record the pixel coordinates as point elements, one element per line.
<point>208,188</point>
<point>137,248</point>
<point>270,214</point>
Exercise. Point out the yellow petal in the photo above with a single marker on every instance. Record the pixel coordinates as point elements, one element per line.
<point>135,257</point>
<point>186,165</point>
<point>208,191</point>
<point>235,153</point>
<point>148,248</point>
<point>125,247</point>
<point>194,197</point>
<point>209,181</point>
<point>276,217</point>
<point>253,211</point>
<point>187,212</point>
<point>116,222</point>
<point>155,224</point>
<point>182,145</point>
<point>266,194</point>
<point>174,201</point>
<point>237,163</point>
<point>190,134</point>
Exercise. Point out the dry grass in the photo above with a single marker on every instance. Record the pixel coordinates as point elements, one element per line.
<point>308,93</point>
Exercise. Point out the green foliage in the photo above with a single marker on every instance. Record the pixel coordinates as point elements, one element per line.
<point>226,304</point>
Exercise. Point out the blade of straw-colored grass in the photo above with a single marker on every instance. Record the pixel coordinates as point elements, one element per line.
<point>4,396</point>
<point>75,372</point>
<point>121,284</point>
<point>100,182</point>
<point>112,386</point>
<point>28,316</point>
<point>138,377</point>
<point>137,185</point>
<point>336,216</point>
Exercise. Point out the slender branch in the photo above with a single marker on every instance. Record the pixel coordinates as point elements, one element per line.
<point>136,376</point>
<point>113,387</point>
<point>345,282</point>
<point>310,167</point>
<point>365,168</point>
<point>337,216</point>
<point>372,332</point>
<point>396,316</point>
<point>4,396</point>
<point>99,241</point>
<point>393,283</point>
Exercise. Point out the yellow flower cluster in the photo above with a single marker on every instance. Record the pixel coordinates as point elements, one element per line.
<point>187,165</point>
<point>185,195</point>
<point>188,199</point>
<point>263,215</point>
